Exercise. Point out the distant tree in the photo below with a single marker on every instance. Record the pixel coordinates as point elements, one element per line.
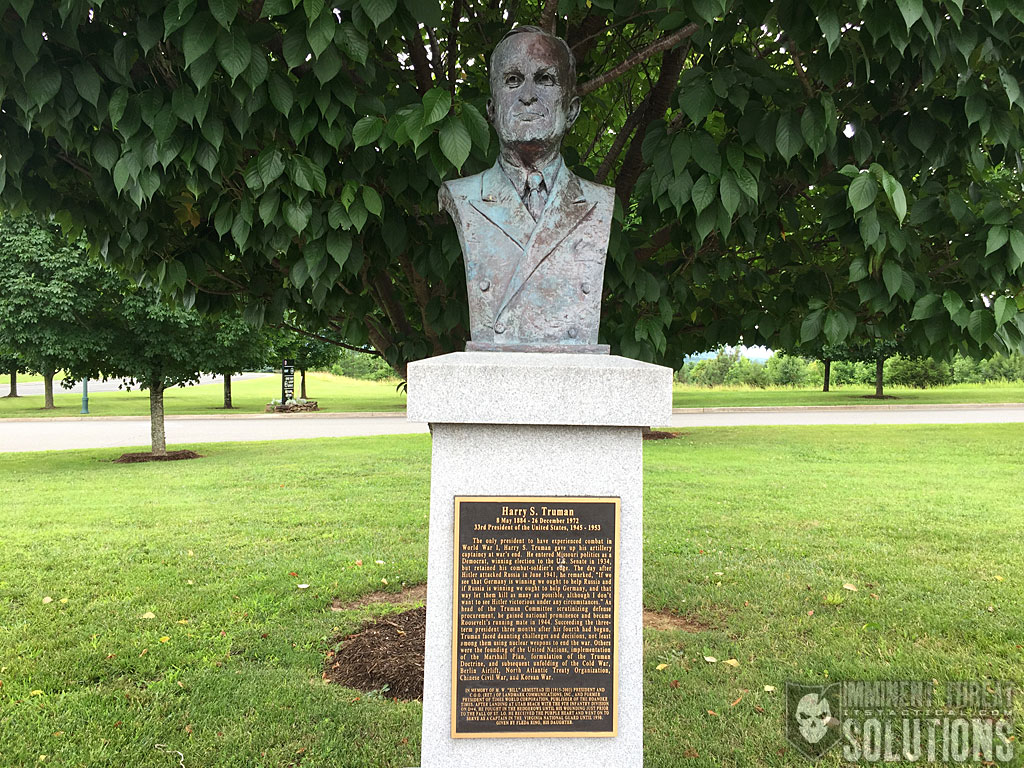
<point>785,370</point>
<point>235,346</point>
<point>12,364</point>
<point>51,295</point>
<point>306,353</point>
<point>713,371</point>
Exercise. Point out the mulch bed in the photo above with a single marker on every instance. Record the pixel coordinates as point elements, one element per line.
<point>387,652</point>
<point>659,434</point>
<point>136,458</point>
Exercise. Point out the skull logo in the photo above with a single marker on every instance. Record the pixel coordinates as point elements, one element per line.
<point>813,714</point>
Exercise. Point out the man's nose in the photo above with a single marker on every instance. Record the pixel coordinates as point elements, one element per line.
<point>527,93</point>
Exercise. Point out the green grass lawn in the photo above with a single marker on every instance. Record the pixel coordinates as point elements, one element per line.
<point>333,393</point>
<point>747,530</point>
<point>684,396</point>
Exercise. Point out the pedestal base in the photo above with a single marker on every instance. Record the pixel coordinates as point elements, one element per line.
<point>507,424</point>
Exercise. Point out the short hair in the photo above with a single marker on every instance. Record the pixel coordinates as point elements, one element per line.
<point>570,59</point>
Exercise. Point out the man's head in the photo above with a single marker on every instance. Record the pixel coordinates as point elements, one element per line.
<point>533,89</point>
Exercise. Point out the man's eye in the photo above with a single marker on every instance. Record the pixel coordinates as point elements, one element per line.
<point>513,80</point>
<point>546,79</point>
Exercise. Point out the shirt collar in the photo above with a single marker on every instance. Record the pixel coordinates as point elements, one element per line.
<point>517,173</point>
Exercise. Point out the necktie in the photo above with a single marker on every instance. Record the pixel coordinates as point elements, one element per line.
<point>535,195</point>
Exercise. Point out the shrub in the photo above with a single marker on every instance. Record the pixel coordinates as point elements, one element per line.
<point>746,373</point>
<point>920,372</point>
<point>712,372</point>
<point>784,370</point>
<point>358,365</point>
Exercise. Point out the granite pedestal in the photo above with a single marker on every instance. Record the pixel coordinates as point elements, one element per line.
<point>535,424</point>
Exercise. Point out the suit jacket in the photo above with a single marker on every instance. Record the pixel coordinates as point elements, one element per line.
<point>532,282</point>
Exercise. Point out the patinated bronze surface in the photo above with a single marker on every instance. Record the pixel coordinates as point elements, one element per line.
<point>534,235</point>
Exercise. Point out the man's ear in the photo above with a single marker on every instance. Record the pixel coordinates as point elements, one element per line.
<point>573,111</point>
<point>490,110</point>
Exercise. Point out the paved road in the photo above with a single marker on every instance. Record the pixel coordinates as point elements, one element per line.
<point>90,432</point>
<point>27,388</point>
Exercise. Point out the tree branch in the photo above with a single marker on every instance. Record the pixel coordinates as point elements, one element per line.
<point>420,65</point>
<point>435,54</point>
<point>453,34</point>
<point>318,337</point>
<point>671,66</point>
<point>800,71</point>
<point>422,294</point>
<point>620,140</point>
<point>643,54</point>
<point>547,16</point>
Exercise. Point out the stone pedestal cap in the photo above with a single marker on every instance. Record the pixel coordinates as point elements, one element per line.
<point>539,388</point>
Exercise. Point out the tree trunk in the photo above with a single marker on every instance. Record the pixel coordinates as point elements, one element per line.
<point>14,385</point>
<point>227,392</point>
<point>879,368</point>
<point>158,436</point>
<point>828,375</point>
<point>302,386</point>
<point>48,389</point>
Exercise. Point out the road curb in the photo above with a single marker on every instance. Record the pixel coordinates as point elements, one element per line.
<point>218,416</point>
<point>868,407</point>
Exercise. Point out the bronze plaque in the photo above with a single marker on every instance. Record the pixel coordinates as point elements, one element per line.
<point>534,648</point>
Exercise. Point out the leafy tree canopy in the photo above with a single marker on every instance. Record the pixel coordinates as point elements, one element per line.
<point>785,170</point>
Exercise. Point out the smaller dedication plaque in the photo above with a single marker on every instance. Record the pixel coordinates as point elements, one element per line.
<point>534,621</point>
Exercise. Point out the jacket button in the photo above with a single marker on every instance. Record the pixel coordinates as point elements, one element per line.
<point>585,287</point>
<point>485,284</point>
<point>499,327</point>
<point>573,333</point>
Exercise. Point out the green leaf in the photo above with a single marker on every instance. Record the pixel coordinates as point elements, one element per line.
<point>703,193</point>
<point>927,306</point>
<point>697,99</point>
<point>921,132</point>
<point>313,8</point>
<point>87,82</point>
<point>122,172</point>
<point>858,269</point>
<point>455,142</point>
<point>862,192</point>
<point>378,11</point>
<point>339,245</point>
<point>299,273</point>
<point>953,303</point>
<point>1016,249</point>
<point>352,43</point>
<point>234,52</point>
<point>198,38</point>
<point>321,33</point>
<point>105,151</point>
<point>788,136</point>
<point>828,21</point>
<point>997,238</point>
<point>436,104</point>
<point>270,202</point>
<point>224,11</point>
<point>307,175</point>
<point>477,125</point>
<point>911,10</point>
<point>297,215</point>
<point>892,276</point>
<point>812,325</point>
<point>116,106</point>
<point>981,325</point>
<point>295,48</point>
<point>372,201</point>
<point>42,84</point>
<point>731,194</point>
<point>1005,309</point>
<point>897,198</point>
<point>270,165</point>
<point>367,130</point>
<point>747,182</point>
<point>680,152</point>
<point>812,127</point>
<point>838,325</point>
<point>282,92</point>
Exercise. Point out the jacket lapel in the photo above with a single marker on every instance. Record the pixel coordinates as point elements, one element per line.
<point>500,204</point>
<point>565,208</point>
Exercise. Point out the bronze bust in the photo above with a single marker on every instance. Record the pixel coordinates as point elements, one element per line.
<point>534,235</point>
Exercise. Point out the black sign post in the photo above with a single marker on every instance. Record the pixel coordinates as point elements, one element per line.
<point>287,381</point>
